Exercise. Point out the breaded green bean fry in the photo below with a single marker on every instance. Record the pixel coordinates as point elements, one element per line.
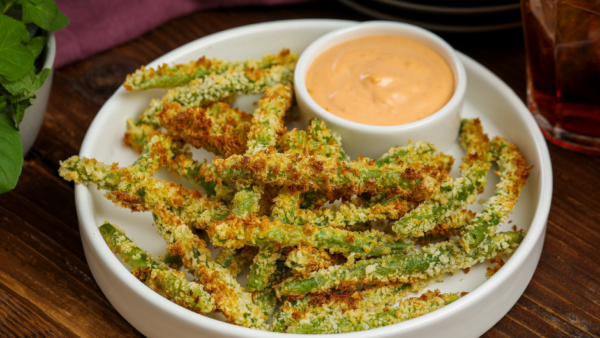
<point>140,193</point>
<point>159,277</point>
<point>431,260</point>
<point>263,267</point>
<point>235,260</point>
<point>235,304</point>
<point>322,173</point>
<point>461,192</point>
<point>181,74</point>
<point>234,233</point>
<point>216,128</point>
<point>267,121</point>
<point>325,320</point>
<point>417,153</point>
<point>513,175</point>
<point>215,87</point>
<point>370,298</point>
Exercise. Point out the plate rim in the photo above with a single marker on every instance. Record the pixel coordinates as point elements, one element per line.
<point>89,228</point>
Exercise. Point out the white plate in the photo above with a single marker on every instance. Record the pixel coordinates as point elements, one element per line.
<point>500,110</point>
<point>438,27</point>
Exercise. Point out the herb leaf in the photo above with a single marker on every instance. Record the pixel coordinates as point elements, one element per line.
<point>22,92</point>
<point>60,22</point>
<point>15,59</point>
<point>11,152</point>
<point>36,45</point>
<point>26,86</point>
<point>40,12</point>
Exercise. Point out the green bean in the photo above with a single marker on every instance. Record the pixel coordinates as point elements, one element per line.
<point>181,74</point>
<point>327,174</point>
<point>235,304</point>
<point>371,299</point>
<point>513,175</point>
<point>267,121</point>
<point>246,201</point>
<point>266,301</point>
<point>217,128</point>
<point>215,87</point>
<point>330,320</point>
<point>234,233</point>
<point>235,260</point>
<point>305,259</point>
<point>417,153</point>
<point>159,277</point>
<point>285,316</point>
<point>324,142</point>
<point>265,263</point>
<point>140,193</point>
<point>171,154</point>
<point>457,195</point>
<point>349,214</point>
<point>454,224</point>
<point>431,260</point>
<point>263,267</point>
<point>173,261</point>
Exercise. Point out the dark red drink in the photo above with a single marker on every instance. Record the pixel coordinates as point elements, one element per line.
<point>562,39</point>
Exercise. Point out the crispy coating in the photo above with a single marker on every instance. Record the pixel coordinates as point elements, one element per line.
<point>349,214</point>
<point>181,74</point>
<point>235,232</point>
<point>329,320</point>
<point>461,192</point>
<point>236,260</point>
<point>235,304</point>
<point>430,261</point>
<point>305,259</point>
<point>417,153</point>
<point>267,121</point>
<point>171,155</point>
<point>513,175</point>
<point>156,275</point>
<point>370,298</point>
<point>140,193</point>
<point>328,174</point>
<point>216,87</point>
<point>453,224</point>
<point>217,128</point>
<point>263,267</point>
<point>265,264</point>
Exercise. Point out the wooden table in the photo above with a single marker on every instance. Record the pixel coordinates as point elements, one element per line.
<point>47,289</point>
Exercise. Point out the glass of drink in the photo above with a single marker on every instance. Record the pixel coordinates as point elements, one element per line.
<point>562,40</point>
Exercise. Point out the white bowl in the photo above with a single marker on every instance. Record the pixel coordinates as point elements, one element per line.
<point>34,115</point>
<point>441,128</point>
<point>487,97</point>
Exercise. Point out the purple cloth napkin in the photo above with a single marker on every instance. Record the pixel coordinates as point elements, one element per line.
<point>97,25</point>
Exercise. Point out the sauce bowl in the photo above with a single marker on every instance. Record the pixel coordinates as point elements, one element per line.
<point>441,128</point>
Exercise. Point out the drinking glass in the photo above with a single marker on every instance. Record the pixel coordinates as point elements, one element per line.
<point>562,40</point>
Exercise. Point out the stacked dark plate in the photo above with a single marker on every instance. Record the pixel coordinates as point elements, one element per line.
<point>461,16</point>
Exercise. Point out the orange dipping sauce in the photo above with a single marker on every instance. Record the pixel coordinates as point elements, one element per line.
<point>380,80</point>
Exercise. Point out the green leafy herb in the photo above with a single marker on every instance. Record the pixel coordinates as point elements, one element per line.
<point>40,12</point>
<point>21,42</point>
<point>15,59</point>
<point>36,45</point>
<point>11,152</point>
<point>60,21</point>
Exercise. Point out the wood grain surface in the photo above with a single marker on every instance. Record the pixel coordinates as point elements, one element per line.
<point>47,289</point>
